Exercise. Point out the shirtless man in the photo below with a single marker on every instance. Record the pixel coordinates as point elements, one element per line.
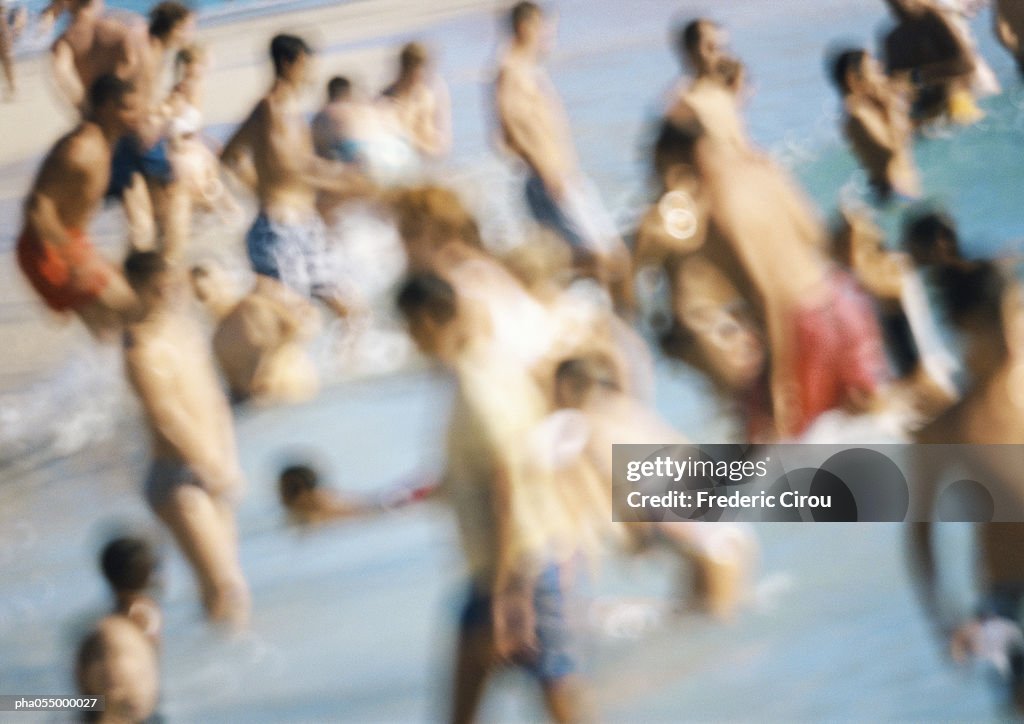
<point>53,249</point>
<point>712,89</point>
<point>116,661</point>
<point>877,125</point>
<point>272,152</point>
<point>92,45</point>
<point>987,307</point>
<point>823,338</point>
<point>514,525</point>
<point>145,154</point>
<point>259,339</point>
<point>925,50</point>
<point>194,478</point>
<point>420,100</point>
<point>1009,19</point>
<point>534,128</point>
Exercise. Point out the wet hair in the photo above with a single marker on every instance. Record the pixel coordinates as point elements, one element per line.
<point>520,13</point>
<point>971,295</point>
<point>109,88</point>
<point>286,49</point>
<point>436,213</point>
<point>141,267</point>
<point>413,56</point>
<point>338,87</point>
<point>128,563</point>
<point>924,234</point>
<point>583,374</point>
<point>295,480</point>
<point>430,295</point>
<point>165,16</point>
<point>842,64</point>
<point>676,142</point>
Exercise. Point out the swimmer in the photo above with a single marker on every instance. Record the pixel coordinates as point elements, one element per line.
<point>420,100</point>
<point>195,165</point>
<point>535,129</point>
<point>272,152</point>
<point>592,407</point>
<point>116,660</point>
<point>924,50</point>
<point>824,342</point>
<point>310,503</point>
<point>516,529</point>
<point>986,304</point>
<point>194,478</point>
<point>877,125</point>
<point>129,565</point>
<point>259,340</point>
<point>53,249</point>
<point>713,91</point>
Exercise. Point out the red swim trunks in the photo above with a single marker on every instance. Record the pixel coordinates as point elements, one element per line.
<point>839,350</point>
<point>48,268</point>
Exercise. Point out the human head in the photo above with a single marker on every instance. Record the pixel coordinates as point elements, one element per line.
<point>128,564</point>
<point>578,377</point>
<point>430,307</point>
<point>171,22</point>
<point>114,104</point>
<point>431,216</point>
<point>526,22</point>
<point>699,44</point>
<point>413,60</point>
<point>339,88</point>
<point>295,481</point>
<point>931,239</point>
<point>291,57</point>
<point>152,280</point>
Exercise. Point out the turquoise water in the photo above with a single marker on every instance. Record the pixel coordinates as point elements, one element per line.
<point>354,623</point>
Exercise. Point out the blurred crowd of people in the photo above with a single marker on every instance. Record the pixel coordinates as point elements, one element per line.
<point>799,326</point>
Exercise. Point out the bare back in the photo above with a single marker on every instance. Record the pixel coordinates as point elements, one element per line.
<point>75,175</point>
<point>101,45</point>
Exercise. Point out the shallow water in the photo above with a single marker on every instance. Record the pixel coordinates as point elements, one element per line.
<point>353,623</point>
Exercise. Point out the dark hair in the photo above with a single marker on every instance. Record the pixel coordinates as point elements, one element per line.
<point>128,563</point>
<point>842,63</point>
<point>688,38</point>
<point>676,141</point>
<point>109,88</point>
<point>925,235</point>
<point>286,49</point>
<point>413,55</point>
<point>971,295</point>
<point>295,480</point>
<point>338,87</point>
<point>142,266</point>
<point>582,374</point>
<point>428,294</point>
<point>520,13</point>
<point>165,15</point>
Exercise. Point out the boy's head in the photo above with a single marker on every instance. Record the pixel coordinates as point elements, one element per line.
<point>931,239</point>
<point>292,58</point>
<point>430,307</point>
<point>171,22</point>
<point>128,564</point>
<point>700,45</point>
<point>294,482</point>
<point>526,21</point>
<point>413,60</point>
<point>339,88</point>
<point>114,104</point>
<point>577,378</point>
